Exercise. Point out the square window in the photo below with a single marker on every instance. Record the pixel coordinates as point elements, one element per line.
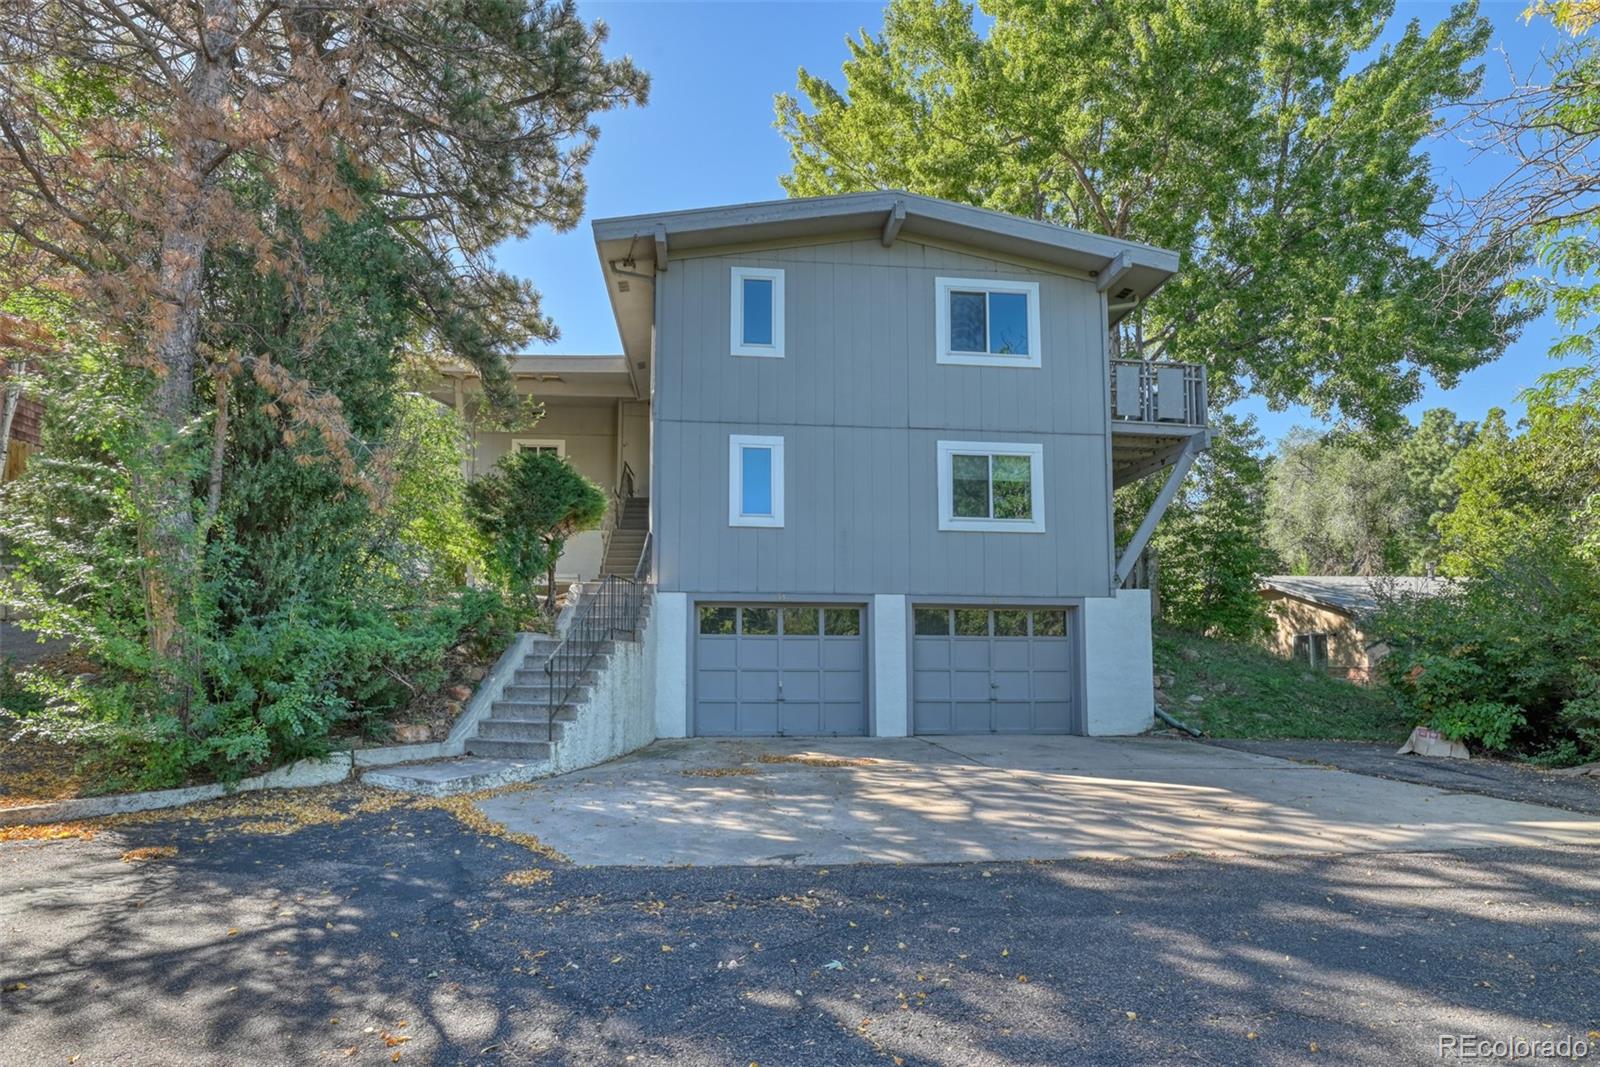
<point>543,447</point>
<point>931,622</point>
<point>756,320</point>
<point>800,622</point>
<point>755,481</point>
<point>991,486</point>
<point>989,322</point>
<point>718,620</point>
<point>842,622</point>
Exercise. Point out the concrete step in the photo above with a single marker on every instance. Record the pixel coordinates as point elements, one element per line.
<point>528,710</point>
<point>495,729</point>
<point>538,694</point>
<point>511,712</point>
<point>512,750</point>
<point>452,777</point>
<point>536,678</point>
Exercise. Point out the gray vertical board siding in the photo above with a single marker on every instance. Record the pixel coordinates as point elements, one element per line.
<point>861,402</point>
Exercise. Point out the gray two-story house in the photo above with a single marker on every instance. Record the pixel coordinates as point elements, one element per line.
<point>869,443</point>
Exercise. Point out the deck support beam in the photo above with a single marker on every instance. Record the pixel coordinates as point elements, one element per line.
<point>1141,537</point>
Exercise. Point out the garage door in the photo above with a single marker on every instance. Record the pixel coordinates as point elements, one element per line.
<point>763,670</point>
<point>990,670</point>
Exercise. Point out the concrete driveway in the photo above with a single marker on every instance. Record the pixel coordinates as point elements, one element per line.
<point>915,800</point>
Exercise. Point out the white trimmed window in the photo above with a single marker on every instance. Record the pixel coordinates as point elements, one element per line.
<point>547,445</point>
<point>991,486</point>
<point>987,322</point>
<point>755,480</point>
<point>757,326</point>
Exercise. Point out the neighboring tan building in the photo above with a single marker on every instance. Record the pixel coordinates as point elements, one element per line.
<point>1317,618</point>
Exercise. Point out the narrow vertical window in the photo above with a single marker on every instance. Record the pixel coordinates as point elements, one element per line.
<point>756,328</point>
<point>755,481</point>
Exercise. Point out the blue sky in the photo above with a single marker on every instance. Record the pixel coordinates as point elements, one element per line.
<point>707,137</point>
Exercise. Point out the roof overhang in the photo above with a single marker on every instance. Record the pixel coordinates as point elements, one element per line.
<point>600,377</point>
<point>633,248</point>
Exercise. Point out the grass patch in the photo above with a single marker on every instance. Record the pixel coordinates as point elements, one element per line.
<point>1247,692</point>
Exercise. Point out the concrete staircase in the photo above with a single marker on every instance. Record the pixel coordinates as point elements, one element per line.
<point>627,539</point>
<point>518,725</point>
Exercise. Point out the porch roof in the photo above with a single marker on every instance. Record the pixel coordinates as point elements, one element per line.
<point>552,376</point>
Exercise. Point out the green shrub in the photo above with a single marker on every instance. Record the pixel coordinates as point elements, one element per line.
<point>1508,659</point>
<point>526,508</point>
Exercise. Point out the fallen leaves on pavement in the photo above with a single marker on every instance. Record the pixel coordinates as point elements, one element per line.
<point>807,760</point>
<point>148,853</point>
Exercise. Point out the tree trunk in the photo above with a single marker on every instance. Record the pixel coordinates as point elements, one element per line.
<point>171,551</point>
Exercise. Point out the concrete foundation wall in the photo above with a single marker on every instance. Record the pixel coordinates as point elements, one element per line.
<point>1119,689</point>
<point>619,715</point>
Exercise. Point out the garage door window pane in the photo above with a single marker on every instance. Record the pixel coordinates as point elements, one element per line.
<point>842,622</point>
<point>717,620</point>
<point>1049,624</point>
<point>1011,624</point>
<point>972,623</point>
<point>931,622</point>
<point>800,622</point>
<point>760,622</point>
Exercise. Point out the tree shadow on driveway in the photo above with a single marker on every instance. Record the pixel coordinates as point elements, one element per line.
<point>395,932</point>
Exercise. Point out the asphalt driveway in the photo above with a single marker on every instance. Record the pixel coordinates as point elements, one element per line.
<point>972,799</point>
<point>395,933</point>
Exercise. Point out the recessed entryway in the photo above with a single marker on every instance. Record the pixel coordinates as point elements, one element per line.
<point>982,670</point>
<point>766,670</point>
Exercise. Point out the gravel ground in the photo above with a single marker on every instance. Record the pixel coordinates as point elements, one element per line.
<point>396,933</point>
<point>1485,777</point>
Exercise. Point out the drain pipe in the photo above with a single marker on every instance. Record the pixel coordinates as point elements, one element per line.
<point>1177,724</point>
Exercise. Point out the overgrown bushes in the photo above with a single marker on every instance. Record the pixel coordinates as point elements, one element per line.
<point>1509,660</point>
<point>331,557</point>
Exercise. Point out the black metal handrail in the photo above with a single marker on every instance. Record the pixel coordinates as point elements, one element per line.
<point>613,608</point>
<point>627,481</point>
<point>641,571</point>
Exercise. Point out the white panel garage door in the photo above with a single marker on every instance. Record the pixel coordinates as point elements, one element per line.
<point>767,670</point>
<point>990,671</point>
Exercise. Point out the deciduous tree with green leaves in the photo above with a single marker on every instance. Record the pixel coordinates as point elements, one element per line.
<point>1247,136</point>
